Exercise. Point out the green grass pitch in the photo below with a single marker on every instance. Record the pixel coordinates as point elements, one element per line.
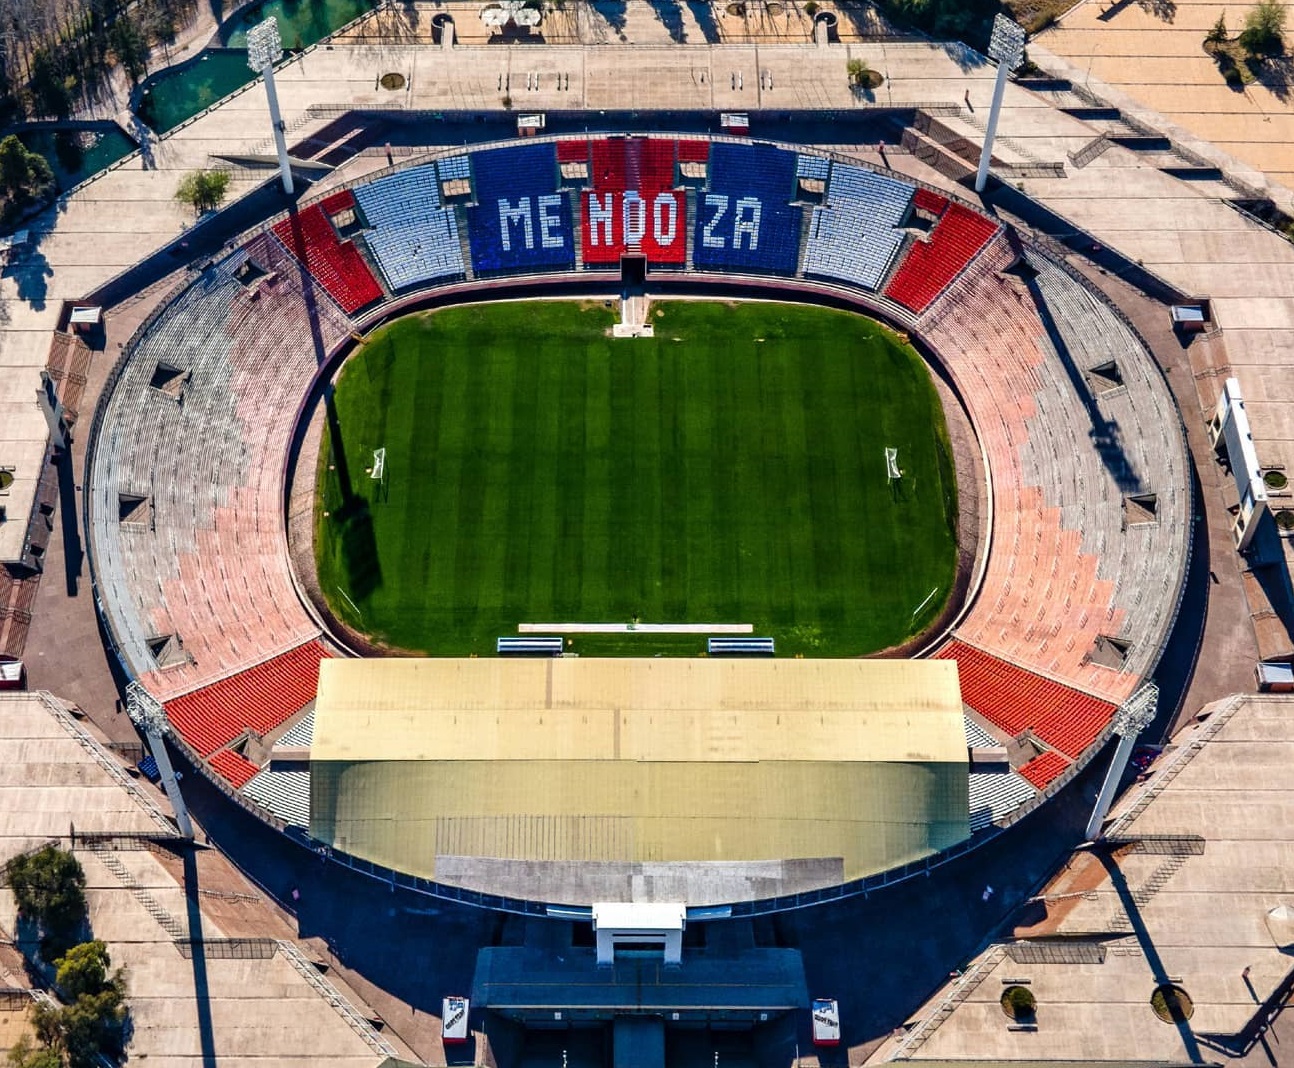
<point>729,470</point>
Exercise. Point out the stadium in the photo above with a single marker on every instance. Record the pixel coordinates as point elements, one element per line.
<point>670,561</point>
<point>202,509</point>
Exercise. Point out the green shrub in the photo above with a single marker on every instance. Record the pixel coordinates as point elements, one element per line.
<point>1018,1002</point>
<point>203,190</point>
<point>1264,28</point>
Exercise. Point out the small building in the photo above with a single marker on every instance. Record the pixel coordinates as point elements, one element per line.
<point>1275,678</point>
<point>1190,318</point>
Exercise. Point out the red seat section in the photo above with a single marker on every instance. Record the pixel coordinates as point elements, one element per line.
<point>930,265</point>
<point>235,768</point>
<point>1043,768</point>
<point>572,151</point>
<point>1017,700</point>
<point>261,698</point>
<point>693,151</point>
<point>335,264</point>
<point>928,201</point>
<point>633,206</point>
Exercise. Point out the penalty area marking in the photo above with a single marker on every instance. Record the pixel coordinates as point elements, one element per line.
<point>925,602</point>
<point>635,628</point>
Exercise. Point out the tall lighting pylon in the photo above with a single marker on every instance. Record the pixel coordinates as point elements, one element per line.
<point>1007,47</point>
<point>264,47</point>
<point>1137,713</point>
<point>150,717</point>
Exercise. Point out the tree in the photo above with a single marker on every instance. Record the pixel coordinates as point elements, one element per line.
<point>1218,35</point>
<point>90,1026</point>
<point>49,91</point>
<point>22,1054</point>
<point>23,173</point>
<point>130,46</point>
<point>83,970</point>
<point>1264,28</point>
<point>49,885</point>
<point>203,190</point>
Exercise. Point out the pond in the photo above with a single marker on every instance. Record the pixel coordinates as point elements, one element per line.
<point>76,153</point>
<point>301,22</point>
<point>173,97</point>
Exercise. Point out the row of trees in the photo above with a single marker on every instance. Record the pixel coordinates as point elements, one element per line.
<point>49,888</point>
<point>56,54</point>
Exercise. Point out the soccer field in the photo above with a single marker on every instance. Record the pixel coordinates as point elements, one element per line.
<point>729,470</point>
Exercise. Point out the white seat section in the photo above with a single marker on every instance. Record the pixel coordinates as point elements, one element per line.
<point>977,737</point>
<point>855,236</point>
<point>301,734</point>
<point>284,793</point>
<point>993,796</point>
<point>413,237</point>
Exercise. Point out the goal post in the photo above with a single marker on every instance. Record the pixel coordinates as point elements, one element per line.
<point>379,464</point>
<point>892,471</point>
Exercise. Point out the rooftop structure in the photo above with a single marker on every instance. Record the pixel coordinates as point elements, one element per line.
<point>854,765</point>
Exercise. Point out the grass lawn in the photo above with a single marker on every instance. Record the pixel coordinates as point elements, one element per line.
<point>730,470</point>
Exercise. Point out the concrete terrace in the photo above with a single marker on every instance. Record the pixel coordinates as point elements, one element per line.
<point>1153,53</point>
<point>1172,895</point>
<point>197,991</point>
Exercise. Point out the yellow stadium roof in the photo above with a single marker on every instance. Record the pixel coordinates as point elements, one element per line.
<point>638,709</point>
<point>604,765</point>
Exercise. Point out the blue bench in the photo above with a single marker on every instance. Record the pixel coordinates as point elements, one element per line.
<point>739,646</point>
<point>528,646</point>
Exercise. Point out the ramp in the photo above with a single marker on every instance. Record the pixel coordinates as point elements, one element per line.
<point>638,1042</point>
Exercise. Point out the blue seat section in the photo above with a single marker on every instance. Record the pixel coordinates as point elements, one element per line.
<point>745,219</point>
<point>454,167</point>
<point>413,238</point>
<point>520,221</point>
<point>855,236</point>
<point>812,167</point>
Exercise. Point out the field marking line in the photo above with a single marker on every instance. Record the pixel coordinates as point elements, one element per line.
<point>635,628</point>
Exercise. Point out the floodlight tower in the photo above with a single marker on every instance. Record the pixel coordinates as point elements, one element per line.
<point>264,47</point>
<point>1130,720</point>
<point>1006,45</point>
<point>150,717</point>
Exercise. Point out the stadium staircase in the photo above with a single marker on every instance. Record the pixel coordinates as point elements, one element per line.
<point>689,213</point>
<point>173,927</point>
<point>333,997</point>
<point>807,221</point>
<point>965,986</point>
<point>1152,147</point>
<point>577,226</point>
<point>461,221</point>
